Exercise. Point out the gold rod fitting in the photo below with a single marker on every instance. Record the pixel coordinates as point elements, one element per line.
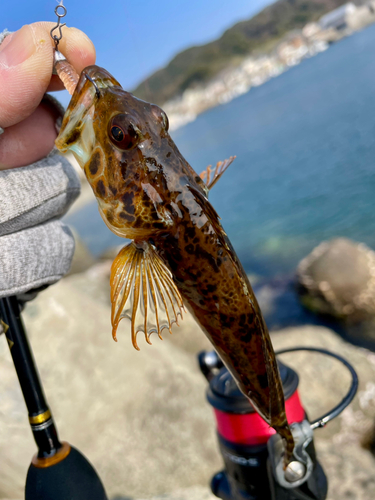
<point>59,456</point>
<point>39,419</point>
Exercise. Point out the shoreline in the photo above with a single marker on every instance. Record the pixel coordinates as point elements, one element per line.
<point>231,83</point>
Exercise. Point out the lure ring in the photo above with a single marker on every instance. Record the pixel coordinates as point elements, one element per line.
<point>58,25</point>
<point>347,399</point>
<point>63,14</point>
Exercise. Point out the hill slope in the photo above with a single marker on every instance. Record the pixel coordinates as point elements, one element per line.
<point>199,64</point>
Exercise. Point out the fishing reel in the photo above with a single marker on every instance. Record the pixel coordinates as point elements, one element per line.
<point>253,453</point>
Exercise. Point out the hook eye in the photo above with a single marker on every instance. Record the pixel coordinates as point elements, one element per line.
<point>97,91</point>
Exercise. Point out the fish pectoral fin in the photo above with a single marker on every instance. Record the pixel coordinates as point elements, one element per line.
<point>220,168</point>
<point>143,290</point>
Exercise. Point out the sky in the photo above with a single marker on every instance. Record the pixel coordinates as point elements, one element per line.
<point>133,39</point>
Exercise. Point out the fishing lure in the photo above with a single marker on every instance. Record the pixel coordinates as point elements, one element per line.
<point>180,254</point>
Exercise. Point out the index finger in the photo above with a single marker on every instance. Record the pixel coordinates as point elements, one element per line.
<point>26,63</point>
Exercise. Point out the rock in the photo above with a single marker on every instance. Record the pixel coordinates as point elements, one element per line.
<point>280,304</point>
<point>82,258</point>
<point>138,415</point>
<point>133,414</point>
<point>193,493</point>
<point>338,279</point>
<point>350,471</point>
<point>111,252</point>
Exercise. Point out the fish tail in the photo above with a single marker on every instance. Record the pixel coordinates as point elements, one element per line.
<point>287,436</point>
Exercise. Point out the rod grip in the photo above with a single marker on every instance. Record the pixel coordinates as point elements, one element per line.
<point>73,478</point>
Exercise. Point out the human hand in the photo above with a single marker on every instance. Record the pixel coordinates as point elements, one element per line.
<point>26,63</point>
<point>36,249</point>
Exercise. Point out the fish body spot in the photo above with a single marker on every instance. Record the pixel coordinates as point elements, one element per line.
<point>246,335</point>
<point>127,217</point>
<point>128,202</point>
<point>94,164</point>
<point>100,188</point>
<point>74,136</point>
<point>250,318</point>
<point>263,380</point>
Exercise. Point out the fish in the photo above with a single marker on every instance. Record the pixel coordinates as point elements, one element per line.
<point>179,255</point>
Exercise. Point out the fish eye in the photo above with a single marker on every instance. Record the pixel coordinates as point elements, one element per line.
<point>117,133</point>
<point>161,116</point>
<point>122,133</point>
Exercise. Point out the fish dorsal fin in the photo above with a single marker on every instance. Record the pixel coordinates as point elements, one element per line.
<point>142,290</point>
<point>220,168</point>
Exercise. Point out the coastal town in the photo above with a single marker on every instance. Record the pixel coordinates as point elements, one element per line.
<point>253,71</point>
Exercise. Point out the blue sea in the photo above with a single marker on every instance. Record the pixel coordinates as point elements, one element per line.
<point>305,167</point>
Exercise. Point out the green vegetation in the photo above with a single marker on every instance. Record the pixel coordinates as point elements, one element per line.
<point>197,65</point>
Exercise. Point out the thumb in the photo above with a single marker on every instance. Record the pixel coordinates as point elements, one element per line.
<point>26,61</point>
<point>25,71</point>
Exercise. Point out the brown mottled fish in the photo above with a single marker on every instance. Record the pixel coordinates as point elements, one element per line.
<point>179,254</point>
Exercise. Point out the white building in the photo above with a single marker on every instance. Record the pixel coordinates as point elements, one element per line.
<point>338,18</point>
<point>363,15</point>
<point>310,30</point>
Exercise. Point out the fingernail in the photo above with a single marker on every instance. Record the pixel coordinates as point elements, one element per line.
<point>19,48</point>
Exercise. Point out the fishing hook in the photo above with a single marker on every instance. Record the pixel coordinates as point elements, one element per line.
<point>97,91</point>
<point>58,25</point>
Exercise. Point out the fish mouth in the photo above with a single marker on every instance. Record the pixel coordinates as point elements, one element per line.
<point>77,133</point>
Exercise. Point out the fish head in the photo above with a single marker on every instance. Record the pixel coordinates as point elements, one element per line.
<point>129,158</point>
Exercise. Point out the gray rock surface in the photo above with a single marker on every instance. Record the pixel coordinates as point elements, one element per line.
<point>111,253</point>
<point>141,417</point>
<point>338,278</point>
<point>193,493</point>
<point>127,411</point>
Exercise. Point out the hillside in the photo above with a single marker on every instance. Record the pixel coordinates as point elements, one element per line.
<point>199,64</point>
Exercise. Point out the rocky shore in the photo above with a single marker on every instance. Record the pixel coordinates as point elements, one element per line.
<point>141,417</point>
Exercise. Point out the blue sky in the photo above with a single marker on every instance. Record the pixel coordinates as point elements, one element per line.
<point>134,38</point>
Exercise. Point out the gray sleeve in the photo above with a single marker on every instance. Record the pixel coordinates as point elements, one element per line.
<point>34,194</point>
<point>34,257</point>
<point>35,248</point>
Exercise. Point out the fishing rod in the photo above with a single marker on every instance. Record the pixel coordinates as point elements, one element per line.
<point>58,471</point>
<point>252,453</point>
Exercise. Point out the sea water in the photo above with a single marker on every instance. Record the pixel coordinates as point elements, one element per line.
<point>305,167</point>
